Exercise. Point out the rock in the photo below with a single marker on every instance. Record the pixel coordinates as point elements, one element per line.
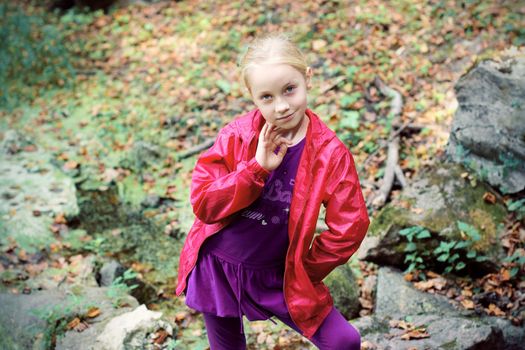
<point>370,242</point>
<point>446,326</point>
<point>344,290</point>
<point>151,201</point>
<point>13,142</point>
<point>488,130</point>
<point>444,332</point>
<point>80,272</point>
<point>32,192</point>
<point>141,155</point>
<point>29,321</point>
<point>397,298</point>
<point>514,337</point>
<point>109,272</point>
<point>438,199</point>
<point>128,331</point>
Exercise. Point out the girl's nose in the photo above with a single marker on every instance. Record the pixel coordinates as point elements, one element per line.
<point>281,105</point>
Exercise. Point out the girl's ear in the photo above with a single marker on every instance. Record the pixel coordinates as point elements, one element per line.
<point>309,74</point>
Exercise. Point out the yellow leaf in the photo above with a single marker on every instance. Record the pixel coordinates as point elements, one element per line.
<point>93,312</point>
<point>73,323</point>
<point>467,304</point>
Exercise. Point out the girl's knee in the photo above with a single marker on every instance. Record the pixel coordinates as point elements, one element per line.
<point>350,340</point>
<point>347,339</point>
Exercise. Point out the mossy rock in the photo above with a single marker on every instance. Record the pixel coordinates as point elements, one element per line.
<point>438,200</point>
<point>344,290</point>
<point>33,191</point>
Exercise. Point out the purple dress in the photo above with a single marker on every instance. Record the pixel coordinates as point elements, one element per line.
<point>240,269</point>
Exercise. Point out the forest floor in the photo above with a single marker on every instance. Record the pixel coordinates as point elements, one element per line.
<point>165,75</point>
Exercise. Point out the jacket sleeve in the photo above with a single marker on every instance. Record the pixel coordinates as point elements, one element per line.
<point>346,218</point>
<point>220,185</point>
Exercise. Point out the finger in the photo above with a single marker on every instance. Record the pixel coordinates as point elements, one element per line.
<point>268,131</point>
<point>264,128</point>
<point>282,141</point>
<point>283,148</point>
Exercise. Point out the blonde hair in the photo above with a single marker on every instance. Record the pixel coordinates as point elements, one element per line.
<point>274,48</point>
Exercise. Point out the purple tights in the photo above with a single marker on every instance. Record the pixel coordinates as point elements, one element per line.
<point>334,333</point>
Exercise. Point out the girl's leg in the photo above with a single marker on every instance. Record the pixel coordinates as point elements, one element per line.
<point>224,333</point>
<point>334,333</point>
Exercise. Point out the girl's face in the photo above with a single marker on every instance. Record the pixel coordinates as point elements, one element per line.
<point>279,91</point>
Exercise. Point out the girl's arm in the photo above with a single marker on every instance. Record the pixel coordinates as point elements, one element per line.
<point>346,218</point>
<point>220,187</point>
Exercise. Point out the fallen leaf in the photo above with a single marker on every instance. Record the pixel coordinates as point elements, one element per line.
<point>70,165</point>
<point>419,333</point>
<point>82,326</point>
<point>505,275</point>
<point>494,310</point>
<point>432,274</point>
<point>437,283</point>
<point>489,198</point>
<point>416,210</point>
<point>366,303</point>
<point>466,292</point>
<point>409,277</point>
<point>93,312</point>
<point>160,336</point>
<point>60,219</point>
<point>318,44</point>
<point>22,255</point>
<point>180,316</point>
<point>401,324</point>
<point>467,304</point>
<point>366,345</point>
<point>73,323</point>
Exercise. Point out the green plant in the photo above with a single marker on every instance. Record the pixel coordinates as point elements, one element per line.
<point>517,260</point>
<point>412,257</point>
<point>58,316</point>
<point>120,289</point>
<point>95,245</point>
<point>32,54</point>
<point>453,253</point>
<point>518,207</point>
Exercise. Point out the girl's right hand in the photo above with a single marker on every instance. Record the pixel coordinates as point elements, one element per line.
<point>269,140</point>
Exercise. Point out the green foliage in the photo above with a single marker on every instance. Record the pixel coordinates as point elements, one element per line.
<point>96,245</point>
<point>518,207</point>
<point>412,257</point>
<point>454,254</point>
<point>350,120</point>
<point>32,54</point>
<point>518,261</point>
<point>58,316</point>
<point>120,289</point>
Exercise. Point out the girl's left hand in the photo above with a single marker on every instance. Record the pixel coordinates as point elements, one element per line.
<point>270,138</point>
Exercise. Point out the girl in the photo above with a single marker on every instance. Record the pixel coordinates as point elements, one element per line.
<point>256,194</point>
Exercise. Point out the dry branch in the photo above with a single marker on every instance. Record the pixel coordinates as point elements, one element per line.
<point>392,169</point>
<point>196,149</point>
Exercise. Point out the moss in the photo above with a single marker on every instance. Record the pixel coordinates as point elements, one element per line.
<point>378,327</point>
<point>450,345</point>
<point>487,228</point>
<point>386,218</point>
<point>344,290</point>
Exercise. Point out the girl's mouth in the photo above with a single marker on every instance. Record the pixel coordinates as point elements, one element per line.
<point>285,118</point>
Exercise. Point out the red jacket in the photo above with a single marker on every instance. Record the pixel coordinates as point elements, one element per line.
<point>227,179</point>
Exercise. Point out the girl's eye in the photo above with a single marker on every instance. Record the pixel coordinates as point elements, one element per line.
<point>266,97</point>
<point>289,89</point>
